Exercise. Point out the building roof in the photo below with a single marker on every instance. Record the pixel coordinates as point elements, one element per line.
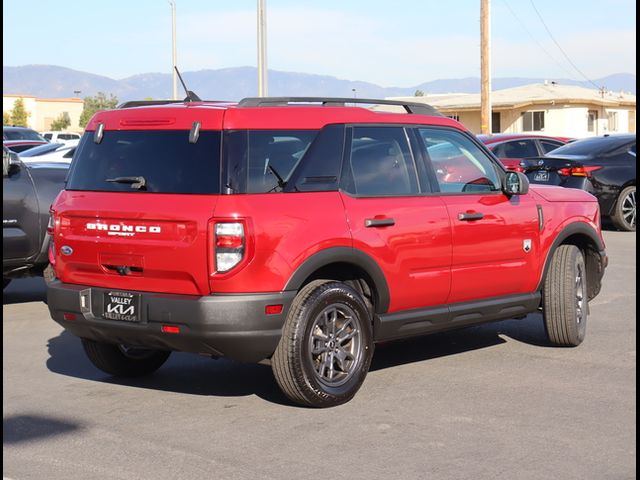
<point>534,94</point>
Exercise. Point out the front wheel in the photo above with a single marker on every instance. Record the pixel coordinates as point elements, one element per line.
<point>123,361</point>
<point>326,347</point>
<point>624,216</point>
<point>565,297</point>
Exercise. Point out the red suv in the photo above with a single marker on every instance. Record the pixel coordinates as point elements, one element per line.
<point>303,231</point>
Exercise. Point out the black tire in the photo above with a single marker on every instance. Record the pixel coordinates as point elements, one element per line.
<point>318,370</point>
<point>49,274</point>
<point>624,215</point>
<point>5,283</point>
<point>565,297</point>
<point>122,361</point>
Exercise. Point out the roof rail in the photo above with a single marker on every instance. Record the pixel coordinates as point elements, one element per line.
<point>410,107</point>
<point>145,103</point>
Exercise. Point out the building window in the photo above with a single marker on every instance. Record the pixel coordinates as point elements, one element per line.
<point>455,117</point>
<point>592,119</point>
<point>613,121</point>
<point>533,121</point>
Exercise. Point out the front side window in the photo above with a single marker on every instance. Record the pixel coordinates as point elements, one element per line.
<point>533,121</point>
<point>459,164</point>
<point>380,163</point>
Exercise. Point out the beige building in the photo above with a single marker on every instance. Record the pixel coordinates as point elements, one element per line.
<point>43,111</point>
<point>545,108</point>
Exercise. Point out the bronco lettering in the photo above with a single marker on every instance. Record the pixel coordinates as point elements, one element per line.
<point>123,228</point>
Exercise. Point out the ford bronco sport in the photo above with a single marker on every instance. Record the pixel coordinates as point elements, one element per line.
<point>304,231</point>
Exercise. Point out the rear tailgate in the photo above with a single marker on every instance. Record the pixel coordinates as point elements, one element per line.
<point>134,241</point>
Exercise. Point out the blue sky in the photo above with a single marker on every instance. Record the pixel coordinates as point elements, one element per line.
<point>391,43</point>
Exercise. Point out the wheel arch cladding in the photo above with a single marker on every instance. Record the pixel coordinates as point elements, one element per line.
<point>587,240</point>
<point>343,264</point>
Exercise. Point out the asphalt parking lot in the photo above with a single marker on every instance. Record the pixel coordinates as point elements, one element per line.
<point>486,402</point>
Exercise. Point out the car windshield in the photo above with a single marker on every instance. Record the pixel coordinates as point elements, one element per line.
<point>42,149</point>
<point>21,134</point>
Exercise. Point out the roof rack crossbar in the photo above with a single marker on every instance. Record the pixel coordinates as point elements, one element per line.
<point>410,107</point>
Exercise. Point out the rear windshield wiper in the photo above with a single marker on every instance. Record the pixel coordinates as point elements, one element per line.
<point>135,182</point>
<point>281,181</point>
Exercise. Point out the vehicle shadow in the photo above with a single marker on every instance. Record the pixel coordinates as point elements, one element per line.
<point>197,375</point>
<point>25,290</point>
<point>26,428</point>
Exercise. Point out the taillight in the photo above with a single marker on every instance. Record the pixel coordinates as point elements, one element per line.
<point>578,171</point>
<point>50,231</point>
<point>51,224</point>
<point>229,245</point>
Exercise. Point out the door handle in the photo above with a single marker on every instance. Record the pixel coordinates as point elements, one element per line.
<point>379,222</point>
<point>468,217</point>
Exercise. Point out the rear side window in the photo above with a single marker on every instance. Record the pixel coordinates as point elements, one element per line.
<point>380,163</point>
<point>548,146</point>
<point>165,159</point>
<point>258,161</point>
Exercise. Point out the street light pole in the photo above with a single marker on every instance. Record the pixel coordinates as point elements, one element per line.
<point>173,42</point>
<point>262,49</point>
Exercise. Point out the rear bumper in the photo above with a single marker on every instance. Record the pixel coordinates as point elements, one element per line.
<point>234,326</point>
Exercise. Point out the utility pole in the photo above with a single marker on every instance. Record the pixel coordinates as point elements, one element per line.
<point>485,68</point>
<point>262,49</point>
<point>173,42</point>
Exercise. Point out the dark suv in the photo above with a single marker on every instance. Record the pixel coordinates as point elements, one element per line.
<point>304,231</point>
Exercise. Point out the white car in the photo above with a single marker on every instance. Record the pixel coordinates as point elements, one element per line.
<point>62,137</point>
<point>50,152</point>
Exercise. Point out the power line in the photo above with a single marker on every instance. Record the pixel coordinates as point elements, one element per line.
<point>560,48</point>
<point>524,27</point>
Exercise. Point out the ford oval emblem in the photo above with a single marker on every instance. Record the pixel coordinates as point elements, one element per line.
<point>66,250</point>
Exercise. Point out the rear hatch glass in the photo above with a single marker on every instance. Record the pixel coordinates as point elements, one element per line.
<point>165,159</point>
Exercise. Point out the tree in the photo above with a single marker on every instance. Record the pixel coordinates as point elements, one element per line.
<point>418,93</point>
<point>6,118</point>
<point>62,122</point>
<point>95,104</point>
<point>19,114</point>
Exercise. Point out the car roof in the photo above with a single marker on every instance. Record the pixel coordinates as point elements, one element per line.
<point>252,115</point>
<point>503,137</point>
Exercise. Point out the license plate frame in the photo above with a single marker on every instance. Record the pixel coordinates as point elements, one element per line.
<point>542,176</point>
<point>121,306</point>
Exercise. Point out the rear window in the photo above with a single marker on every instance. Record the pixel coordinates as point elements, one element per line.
<point>165,159</point>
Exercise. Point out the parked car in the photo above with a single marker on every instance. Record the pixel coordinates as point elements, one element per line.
<point>50,152</point>
<point>510,148</point>
<point>27,193</point>
<point>62,137</point>
<point>304,231</point>
<point>604,166</point>
<point>19,139</point>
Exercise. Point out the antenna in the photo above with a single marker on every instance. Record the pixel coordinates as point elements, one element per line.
<point>191,97</point>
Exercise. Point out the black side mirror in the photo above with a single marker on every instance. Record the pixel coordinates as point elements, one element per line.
<point>10,161</point>
<point>515,183</point>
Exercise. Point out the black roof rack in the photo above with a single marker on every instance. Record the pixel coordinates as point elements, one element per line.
<point>146,103</point>
<point>410,107</point>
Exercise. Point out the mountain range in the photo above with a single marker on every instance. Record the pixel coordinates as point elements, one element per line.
<point>50,81</point>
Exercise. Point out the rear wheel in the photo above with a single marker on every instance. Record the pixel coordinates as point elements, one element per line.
<point>326,347</point>
<point>624,216</point>
<point>565,297</point>
<point>124,361</point>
